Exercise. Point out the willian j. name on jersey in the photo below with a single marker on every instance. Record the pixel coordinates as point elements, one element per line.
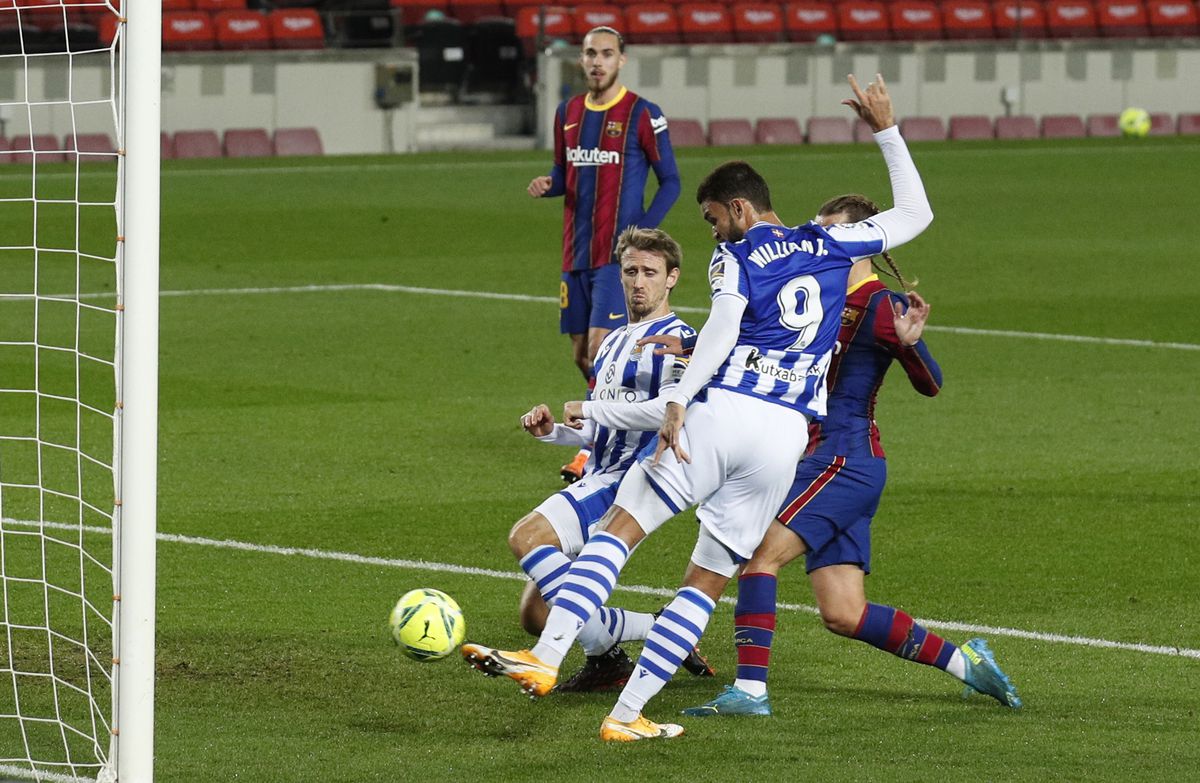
<point>773,251</point>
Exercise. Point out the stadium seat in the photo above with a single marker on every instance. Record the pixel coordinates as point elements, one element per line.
<point>296,141</point>
<point>781,130</point>
<point>166,150</point>
<point>923,129</point>
<point>705,23</point>
<point>441,46</point>
<point>247,143</point>
<point>1173,17</point>
<point>652,23</point>
<point>45,144</point>
<point>687,133</point>
<point>413,12</point>
<point>1018,126</point>
<point>370,27</point>
<point>197,144</point>
<point>242,30</point>
<point>493,57</point>
<point>170,6</point>
<point>1189,124</point>
<point>757,22</point>
<point>1122,18</point>
<point>862,20</point>
<point>1161,124</point>
<point>730,133</point>
<point>585,17</point>
<point>1070,19</point>
<point>1019,19</point>
<point>470,11</point>
<point>90,142</point>
<point>971,127</point>
<point>915,20</point>
<point>296,28</point>
<point>967,19</point>
<point>862,132</point>
<point>106,29</point>
<point>188,30</point>
<point>1103,125</point>
<point>532,21</point>
<point>807,20</point>
<point>1063,126</point>
<point>216,6</point>
<point>828,130</point>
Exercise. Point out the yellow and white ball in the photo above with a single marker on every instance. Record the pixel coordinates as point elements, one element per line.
<point>427,624</point>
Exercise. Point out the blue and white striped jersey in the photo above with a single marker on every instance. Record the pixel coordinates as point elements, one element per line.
<point>793,281</point>
<point>626,374</point>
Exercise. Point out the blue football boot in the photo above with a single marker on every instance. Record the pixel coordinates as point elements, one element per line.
<point>984,676</point>
<point>732,701</point>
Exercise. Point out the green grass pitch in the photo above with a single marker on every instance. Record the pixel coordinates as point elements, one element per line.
<point>1052,487</point>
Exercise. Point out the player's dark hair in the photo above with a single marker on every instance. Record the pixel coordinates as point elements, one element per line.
<point>610,31</point>
<point>858,207</point>
<point>651,240</point>
<point>733,180</point>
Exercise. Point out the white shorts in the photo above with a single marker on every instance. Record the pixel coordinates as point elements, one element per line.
<point>744,452</point>
<point>574,511</point>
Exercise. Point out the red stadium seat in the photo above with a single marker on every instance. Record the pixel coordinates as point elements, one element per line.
<point>862,132</point>
<point>213,6</point>
<point>1103,125</point>
<point>296,28</point>
<point>44,144</point>
<point>297,141</point>
<point>1063,126</point>
<point>197,144</point>
<point>106,29</point>
<point>242,30</point>
<point>687,133</point>
<point>1122,18</point>
<point>705,23</point>
<point>828,130</point>
<point>863,20</point>
<point>915,20</point>
<point>967,19</point>
<point>806,20</point>
<point>971,127</point>
<point>170,6</point>
<point>652,23</point>
<point>585,17</point>
<point>166,150</point>
<point>923,129</point>
<point>91,142</point>
<point>1018,126</point>
<point>187,30</point>
<point>729,133</point>
<point>757,22</point>
<point>782,130</point>
<point>1161,124</point>
<point>468,11</point>
<point>1173,17</point>
<point>554,21</point>
<point>247,143</point>
<point>1019,19</point>
<point>1070,18</point>
<point>1189,124</point>
<point>412,12</point>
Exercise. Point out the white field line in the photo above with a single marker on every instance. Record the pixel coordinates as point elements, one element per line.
<point>451,568</point>
<point>25,774</point>
<point>406,289</point>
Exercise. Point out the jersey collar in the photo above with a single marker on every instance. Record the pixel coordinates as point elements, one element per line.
<point>861,283</point>
<point>587,101</point>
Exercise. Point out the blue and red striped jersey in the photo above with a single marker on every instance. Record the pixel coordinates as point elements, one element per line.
<point>866,346</point>
<point>602,158</point>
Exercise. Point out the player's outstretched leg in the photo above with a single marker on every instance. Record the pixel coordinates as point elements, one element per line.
<point>533,675</point>
<point>613,730</point>
<point>983,675</point>
<point>753,632</point>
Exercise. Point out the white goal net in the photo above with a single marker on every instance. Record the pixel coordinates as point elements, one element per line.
<point>63,327</point>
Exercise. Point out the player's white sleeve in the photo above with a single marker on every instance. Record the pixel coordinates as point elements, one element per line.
<point>909,216</point>
<point>645,416</point>
<point>713,346</point>
<point>562,435</point>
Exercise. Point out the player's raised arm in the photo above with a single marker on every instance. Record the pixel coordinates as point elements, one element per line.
<point>911,213</point>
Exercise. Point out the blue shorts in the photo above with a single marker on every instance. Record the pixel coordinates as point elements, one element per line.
<point>830,506</point>
<point>591,298</point>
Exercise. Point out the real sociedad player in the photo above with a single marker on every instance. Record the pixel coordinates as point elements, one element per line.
<point>778,294</point>
<point>606,142</point>
<point>828,511</point>
<point>621,417</point>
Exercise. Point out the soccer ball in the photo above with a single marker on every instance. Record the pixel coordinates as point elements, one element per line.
<point>1134,123</point>
<point>427,624</point>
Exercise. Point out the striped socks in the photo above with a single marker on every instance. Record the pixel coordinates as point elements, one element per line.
<point>894,631</point>
<point>754,630</point>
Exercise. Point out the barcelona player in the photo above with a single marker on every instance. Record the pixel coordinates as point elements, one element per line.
<point>606,142</point>
<point>759,367</point>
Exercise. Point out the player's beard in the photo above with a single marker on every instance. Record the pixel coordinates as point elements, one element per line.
<point>605,81</point>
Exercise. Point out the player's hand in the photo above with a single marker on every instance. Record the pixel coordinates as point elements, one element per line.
<point>573,414</point>
<point>539,421</point>
<point>539,185</point>
<point>670,432</point>
<point>873,105</point>
<point>910,323</point>
<point>672,345</point>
